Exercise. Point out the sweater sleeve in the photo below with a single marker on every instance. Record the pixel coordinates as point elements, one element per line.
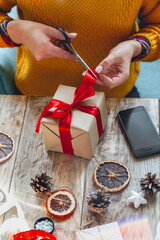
<point>149,17</point>
<point>5,8</point>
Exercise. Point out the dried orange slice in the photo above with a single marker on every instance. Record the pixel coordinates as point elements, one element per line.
<point>61,203</point>
<point>111,175</point>
<point>6,146</point>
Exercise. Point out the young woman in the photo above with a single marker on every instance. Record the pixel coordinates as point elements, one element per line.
<point>107,38</point>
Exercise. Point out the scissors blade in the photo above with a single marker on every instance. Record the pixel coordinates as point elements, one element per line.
<point>85,65</point>
<point>82,61</point>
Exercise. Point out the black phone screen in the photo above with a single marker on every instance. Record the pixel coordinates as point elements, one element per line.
<point>139,129</point>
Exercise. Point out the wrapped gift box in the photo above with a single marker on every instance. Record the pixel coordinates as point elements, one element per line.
<point>84,130</point>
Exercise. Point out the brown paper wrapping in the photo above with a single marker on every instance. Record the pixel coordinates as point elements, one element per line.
<point>84,131</point>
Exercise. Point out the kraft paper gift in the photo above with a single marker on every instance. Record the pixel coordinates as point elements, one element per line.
<point>84,130</point>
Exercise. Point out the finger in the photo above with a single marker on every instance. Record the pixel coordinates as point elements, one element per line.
<point>99,82</point>
<point>114,81</point>
<point>99,69</point>
<point>84,73</point>
<point>119,80</point>
<point>72,35</point>
<point>54,51</point>
<point>107,81</point>
<point>103,68</point>
<point>108,65</point>
<point>55,33</point>
<point>111,59</point>
<point>57,43</point>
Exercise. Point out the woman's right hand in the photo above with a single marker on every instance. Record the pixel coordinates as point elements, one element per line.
<point>40,39</point>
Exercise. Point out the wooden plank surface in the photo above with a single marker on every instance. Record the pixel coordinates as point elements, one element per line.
<point>73,172</point>
<point>32,158</point>
<point>113,146</point>
<point>12,110</point>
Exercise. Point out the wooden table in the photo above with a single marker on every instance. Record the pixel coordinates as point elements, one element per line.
<point>18,117</point>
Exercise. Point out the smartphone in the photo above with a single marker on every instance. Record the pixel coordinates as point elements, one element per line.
<point>140,131</point>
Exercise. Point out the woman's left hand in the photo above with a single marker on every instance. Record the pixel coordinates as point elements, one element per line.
<point>114,69</point>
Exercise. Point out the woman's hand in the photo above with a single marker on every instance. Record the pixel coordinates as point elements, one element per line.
<point>40,39</point>
<point>114,69</point>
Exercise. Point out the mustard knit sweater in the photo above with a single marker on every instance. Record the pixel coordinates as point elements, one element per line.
<point>100,25</point>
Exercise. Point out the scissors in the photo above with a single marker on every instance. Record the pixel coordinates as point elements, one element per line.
<point>69,48</point>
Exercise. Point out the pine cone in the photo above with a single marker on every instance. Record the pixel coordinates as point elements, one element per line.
<point>98,201</point>
<point>150,184</point>
<point>41,184</point>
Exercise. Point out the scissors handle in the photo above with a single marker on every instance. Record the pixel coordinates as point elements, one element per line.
<point>69,48</point>
<point>67,39</point>
<point>66,43</point>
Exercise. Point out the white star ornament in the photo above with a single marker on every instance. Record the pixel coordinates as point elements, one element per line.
<point>137,199</point>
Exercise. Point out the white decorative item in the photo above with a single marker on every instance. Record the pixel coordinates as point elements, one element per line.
<point>1,196</point>
<point>158,231</point>
<point>11,227</point>
<point>8,202</point>
<point>137,199</point>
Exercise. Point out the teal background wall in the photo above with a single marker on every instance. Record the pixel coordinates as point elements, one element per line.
<point>8,66</point>
<point>148,82</point>
<point>8,55</point>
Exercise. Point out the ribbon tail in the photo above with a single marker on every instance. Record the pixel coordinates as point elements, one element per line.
<point>46,109</point>
<point>87,82</point>
<point>99,121</point>
<point>65,134</point>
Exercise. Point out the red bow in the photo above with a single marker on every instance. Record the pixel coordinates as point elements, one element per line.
<point>34,235</point>
<point>63,111</point>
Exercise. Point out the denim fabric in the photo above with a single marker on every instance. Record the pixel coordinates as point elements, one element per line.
<point>7,85</point>
<point>133,93</point>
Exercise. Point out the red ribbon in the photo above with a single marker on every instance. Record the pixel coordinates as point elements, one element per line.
<point>63,111</point>
<point>34,235</point>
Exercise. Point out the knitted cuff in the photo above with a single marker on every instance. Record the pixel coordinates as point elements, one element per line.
<point>145,47</point>
<point>4,34</point>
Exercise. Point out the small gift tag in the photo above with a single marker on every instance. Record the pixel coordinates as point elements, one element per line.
<point>105,232</point>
